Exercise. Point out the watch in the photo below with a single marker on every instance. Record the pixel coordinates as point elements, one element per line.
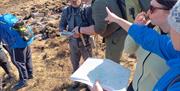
<point>79,29</point>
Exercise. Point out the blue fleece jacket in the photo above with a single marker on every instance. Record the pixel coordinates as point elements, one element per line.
<point>10,36</point>
<point>161,45</point>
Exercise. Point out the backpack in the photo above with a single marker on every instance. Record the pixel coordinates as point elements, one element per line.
<point>13,22</point>
<point>122,7</point>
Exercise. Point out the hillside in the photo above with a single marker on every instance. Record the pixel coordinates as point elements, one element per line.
<point>50,54</point>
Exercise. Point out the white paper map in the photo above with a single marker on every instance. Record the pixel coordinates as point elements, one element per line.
<point>112,76</point>
<point>66,33</point>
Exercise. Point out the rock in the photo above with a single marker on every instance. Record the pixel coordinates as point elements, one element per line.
<point>34,15</point>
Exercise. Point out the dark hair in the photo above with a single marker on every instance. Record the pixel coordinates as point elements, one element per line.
<point>168,4</point>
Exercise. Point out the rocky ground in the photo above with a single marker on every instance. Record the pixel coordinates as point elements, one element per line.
<point>50,53</point>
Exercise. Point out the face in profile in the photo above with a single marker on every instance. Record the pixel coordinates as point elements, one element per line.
<point>75,3</point>
<point>87,1</point>
<point>158,14</point>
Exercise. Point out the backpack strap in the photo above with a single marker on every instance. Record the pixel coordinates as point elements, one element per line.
<point>93,2</point>
<point>69,11</point>
<point>122,7</point>
<point>84,13</point>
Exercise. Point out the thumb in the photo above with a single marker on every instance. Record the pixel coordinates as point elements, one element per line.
<point>106,19</point>
<point>108,11</point>
<point>97,87</point>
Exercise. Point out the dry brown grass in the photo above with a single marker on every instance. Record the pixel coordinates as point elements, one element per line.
<point>52,67</point>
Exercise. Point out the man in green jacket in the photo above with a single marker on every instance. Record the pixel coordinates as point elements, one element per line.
<point>114,44</point>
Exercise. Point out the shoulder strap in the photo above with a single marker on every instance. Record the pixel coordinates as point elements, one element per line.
<point>83,13</point>
<point>92,2</point>
<point>122,7</point>
<point>69,11</point>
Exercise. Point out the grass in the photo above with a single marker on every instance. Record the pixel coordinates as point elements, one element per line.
<point>52,67</point>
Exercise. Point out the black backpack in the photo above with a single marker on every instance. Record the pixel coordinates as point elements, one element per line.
<point>122,7</point>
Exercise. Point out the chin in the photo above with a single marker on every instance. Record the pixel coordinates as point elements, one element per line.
<point>177,48</point>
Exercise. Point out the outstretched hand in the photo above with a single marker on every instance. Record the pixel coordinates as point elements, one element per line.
<point>111,17</point>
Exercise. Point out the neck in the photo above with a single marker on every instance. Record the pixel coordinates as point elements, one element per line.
<point>165,27</point>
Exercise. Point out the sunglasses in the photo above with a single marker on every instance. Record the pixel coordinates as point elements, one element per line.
<point>152,8</point>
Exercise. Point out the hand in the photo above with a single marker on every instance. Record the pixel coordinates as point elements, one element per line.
<point>75,30</point>
<point>141,18</point>
<point>76,35</point>
<point>111,16</point>
<point>97,87</point>
<point>66,33</point>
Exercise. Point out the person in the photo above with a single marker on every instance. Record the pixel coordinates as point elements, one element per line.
<point>114,44</point>
<point>147,72</point>
<point>77,14</point>
<point>18,36</point>
<point>5,64</point>
<point>166,47</point>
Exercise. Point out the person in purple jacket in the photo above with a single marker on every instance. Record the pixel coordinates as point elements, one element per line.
<point>167,47</point>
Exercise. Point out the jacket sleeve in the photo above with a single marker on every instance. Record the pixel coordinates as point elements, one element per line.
<point>99,14</point>
<point>152,41</point>
<point>63,21</point>
<point>174,87</point>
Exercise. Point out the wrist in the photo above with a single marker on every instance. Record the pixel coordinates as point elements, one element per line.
<point>79,29</point>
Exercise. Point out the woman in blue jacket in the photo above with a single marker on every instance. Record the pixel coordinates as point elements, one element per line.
<point>164,46</point>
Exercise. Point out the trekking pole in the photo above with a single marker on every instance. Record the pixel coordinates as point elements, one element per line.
<point>85,45</point>
<point>1,88</point>
<point>96,48</point>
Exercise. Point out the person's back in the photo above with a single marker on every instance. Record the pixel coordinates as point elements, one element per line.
<point>149,68</point>
<point>114,44</point>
